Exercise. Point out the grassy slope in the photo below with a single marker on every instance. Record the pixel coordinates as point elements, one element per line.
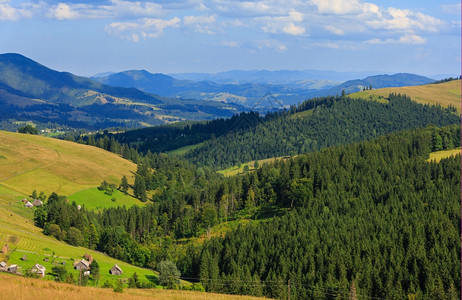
<point>23,238</point>
<point>182,150</point>
<point>32,162</point>
<point>15,287</point>
<point>444,93</point>
<point>50,165</point>
<point>234,170</point>
<point>437,156</point>
<point>87,197</point>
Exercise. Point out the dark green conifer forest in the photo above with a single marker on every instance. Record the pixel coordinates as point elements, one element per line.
<point>373,215</point>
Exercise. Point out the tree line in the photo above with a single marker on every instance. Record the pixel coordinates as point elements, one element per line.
<point>375,213</point>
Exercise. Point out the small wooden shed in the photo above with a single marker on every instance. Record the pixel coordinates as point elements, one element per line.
<point>115,270</point>
<point>82,265</point>
<point>39,270</point>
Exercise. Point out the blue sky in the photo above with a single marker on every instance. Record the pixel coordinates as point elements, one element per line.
<point>88,37</point>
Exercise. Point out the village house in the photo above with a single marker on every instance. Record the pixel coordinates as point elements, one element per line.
<point>28,204</point>
<point>13,268</point>
<point>115,270</point>
<point>37,202</point>
<point>82,265</point>
<point>39,270</point>
<point>3,266</point>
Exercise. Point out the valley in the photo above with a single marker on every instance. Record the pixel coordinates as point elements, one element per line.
<point>295,202</point>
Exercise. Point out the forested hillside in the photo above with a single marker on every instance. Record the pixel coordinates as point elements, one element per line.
<point>374,217</point>
<point>335,121</point>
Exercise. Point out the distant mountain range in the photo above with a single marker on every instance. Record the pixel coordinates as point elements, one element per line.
<point>254,89</point>
<point>272,77</point>
<point>247,93</point>
<point>377,82</point>
<point>30,91</point>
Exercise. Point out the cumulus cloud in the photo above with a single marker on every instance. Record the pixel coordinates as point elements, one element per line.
<point>63,12</point>
<point>335,30</point>
<point>330,45</point>
<point>411,39</point>
<point>338,7</point>
<point>284,24</point>
<point>271,44</point>
<point>230,44</point>
<point>451,8</point>
<point>11,13</point>
<point>146,29</point>
<point>357,21</point>
<point>201,24</point>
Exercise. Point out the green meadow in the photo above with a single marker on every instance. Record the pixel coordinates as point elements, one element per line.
<point>94,199</point>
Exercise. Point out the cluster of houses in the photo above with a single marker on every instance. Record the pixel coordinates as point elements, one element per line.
<point>81,265</point>
<point>11,268</point>
<point>35,202</point>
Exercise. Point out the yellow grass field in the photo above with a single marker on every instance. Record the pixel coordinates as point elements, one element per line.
<point>439,155</point>
<point>236,169</point>
<point>21,288</point>
<point>448,93</point>
<point>29,162</point>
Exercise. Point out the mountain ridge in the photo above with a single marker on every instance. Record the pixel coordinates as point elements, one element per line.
<point>80,102</point>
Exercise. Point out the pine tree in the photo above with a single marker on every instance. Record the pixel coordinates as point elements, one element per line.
<point>124,184</point>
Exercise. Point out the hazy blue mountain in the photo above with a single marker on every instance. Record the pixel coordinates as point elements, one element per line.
<point>31,91</point>
<point>379,81</point>
<point>249,93</point>
<point>271,77</point>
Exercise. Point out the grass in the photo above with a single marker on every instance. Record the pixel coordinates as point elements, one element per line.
<point>18,231</point>
<point>234,170</point>
<point>439,155</point>
<point>182,150</point>
<point>445,94</point>
<point>50,165</point>
<point>94,199</point>
<point>302,114</point>
<point>36,162</point>
<point>16,287</point>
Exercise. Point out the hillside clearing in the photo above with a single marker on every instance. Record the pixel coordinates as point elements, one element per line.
<point>439,155</point>
<point>94,199</point>
<point>234,170</point>
<point>182,150</point>
<point>445,94</point>
<point>50,165</point>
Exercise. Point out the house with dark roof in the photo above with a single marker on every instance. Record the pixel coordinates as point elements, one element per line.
<point>82,265</point>
<point>39,270</point>
<point>115,270</point>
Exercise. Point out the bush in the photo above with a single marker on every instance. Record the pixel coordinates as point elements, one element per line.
<point>169,275</point>
<point>60,272</point>
<point>108,284</point>
<point>28,129</point>
<point>118,286</point>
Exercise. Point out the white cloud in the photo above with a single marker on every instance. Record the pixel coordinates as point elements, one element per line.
<point>411,39</point>
<point>284,24</point>
<point>201,24</point>
<point>337,7</point>
<point>146,29</point>
<point>271,44</point>
<point>11,13</point>
<point>230,44</point>
<point>293,29</point>
<point>335,30</point>
<point>395,19</point>
<point>330,45</point>
<point>451,8</point>
<point>63,12</point>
